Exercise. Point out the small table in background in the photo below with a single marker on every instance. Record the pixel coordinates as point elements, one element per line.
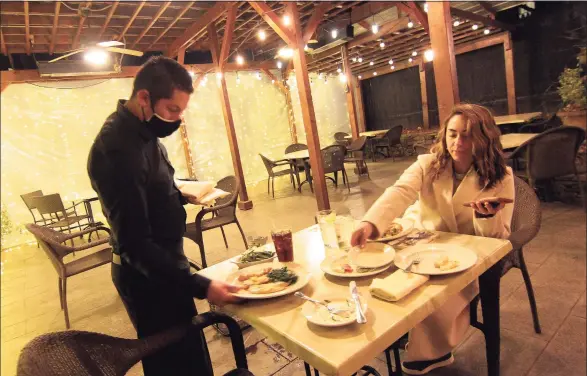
<point>302,155</point>
<point>513,140</point>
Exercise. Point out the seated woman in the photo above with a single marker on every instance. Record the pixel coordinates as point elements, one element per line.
<point>466,165</point>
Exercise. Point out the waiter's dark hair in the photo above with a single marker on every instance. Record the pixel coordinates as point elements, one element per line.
<point>160,76</point>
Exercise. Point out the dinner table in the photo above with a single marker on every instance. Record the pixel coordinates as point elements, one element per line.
<point>304,156</point>
<point>516,118</point>
<point>345,350</point>
<point>371,135</point>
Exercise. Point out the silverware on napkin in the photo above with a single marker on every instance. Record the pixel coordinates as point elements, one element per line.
<point>361,319</point>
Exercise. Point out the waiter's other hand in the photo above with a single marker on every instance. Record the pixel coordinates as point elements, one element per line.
<point>220,293</point>
<point>191,199</point>
<point>363,232</point>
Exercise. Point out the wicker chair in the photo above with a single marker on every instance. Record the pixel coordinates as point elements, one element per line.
<point>271,165</point>
<point>56,216</point>
<point>51,242</point>
<point>525,225</point>
<point>421,149</point>
<point>357,150</point>
<point>391,141</point>
<point>223,214</point>
<point>341,139</point>
<point>86,353</point>
<point>551,154</point>
<point>298,165</point>
<point>541,125</point>
<point>333,159</point>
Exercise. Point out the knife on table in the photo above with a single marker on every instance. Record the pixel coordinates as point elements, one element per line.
<point>361,319</point>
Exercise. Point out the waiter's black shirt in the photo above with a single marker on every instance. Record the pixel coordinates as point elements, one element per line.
<point>129,169</point>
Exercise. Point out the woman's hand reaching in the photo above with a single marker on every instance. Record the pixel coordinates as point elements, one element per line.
<point>362,233</point>
<point>486,206</point>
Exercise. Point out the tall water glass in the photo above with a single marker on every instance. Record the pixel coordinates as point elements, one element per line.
<point>327,223</point>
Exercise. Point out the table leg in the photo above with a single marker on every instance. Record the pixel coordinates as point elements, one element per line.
<point>489,293</point>
<point>308,173</point>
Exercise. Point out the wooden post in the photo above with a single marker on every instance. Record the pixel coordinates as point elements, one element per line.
<point>308,115</point>
<point>360,108</point>
<point>510,79</point>
<point>350,93</point>
<point>185,141</point>
<point>282,86</point>
<point>445,68</point>
<point>424,93</point>
<point>181,56</point>
<point>244,203</point>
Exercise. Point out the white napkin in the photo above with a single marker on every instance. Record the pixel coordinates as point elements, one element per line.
<point>203,191</point>
<point>397,285</point>
<point>210,198</point>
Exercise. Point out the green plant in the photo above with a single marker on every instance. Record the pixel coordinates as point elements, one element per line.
<point>572,90</point>
<point>6,224</point>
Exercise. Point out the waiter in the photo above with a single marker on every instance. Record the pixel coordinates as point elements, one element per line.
<point>129,169</point>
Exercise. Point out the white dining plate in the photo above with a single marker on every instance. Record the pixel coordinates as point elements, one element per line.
<point>301,272</point>
<point>407,227</point>
<point>333,266</point>
<point>372,255</point>
<point>319,315</point>
<point>430,254</point>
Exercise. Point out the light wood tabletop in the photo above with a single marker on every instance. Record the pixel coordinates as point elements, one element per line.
<point>370,134</point>
<point>301,154</point>
<point>513,140</point>
<point>515,119</point>
<point>344,350</point>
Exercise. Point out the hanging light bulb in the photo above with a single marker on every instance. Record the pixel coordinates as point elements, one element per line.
<point>342,78</point>
<point>360,77</point>
<point>456,23</point>
<point>486,31</point>
<point>410,24</point>
<point>238,79</point>
<point>279,64</point>
<point>240,60</point>
<point>360,59</point>
<point>426,7</point>
<point>374,73</point>
<point>371,63</point>
<point>218,75</point>
<point>415,53</point>
<point>261,35</point>
<point>474,27</point>
<point>410,60</point>
<point>285,52</point>
<point>306,47</point>
<point>375,28</point>
<point>393,67</point>
<point>191,74</point>
<point>390,61</point>
<point>382,44</point>
<point>96,57</point>
<point>354,59</point>
<point>258,75</point>
<point>429,55</point>
<point>334,33</point>
<point>286,20</point>
<point>339,70</point>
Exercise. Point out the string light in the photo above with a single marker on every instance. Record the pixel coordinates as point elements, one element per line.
<point>279,64</point>
<point>486,31</point>
<point>374,73</point>
<point>392,67</point>
<point>410,24</point>
<point>272,81</point>
<point>456,23</point>
<point>261,35</point>
<point>371,63</point>
<point>360,77</point>
<point>375,28</point>
<point>390,61</point>
<point>258,75</point>
<point>360,59</point>
<point>474,27</point>
<point>429,55</point>
<point>415,53</point>
<point>286,20</point>
<point>306,47</point>
<point>342,78</point>
<point>285,52</point>
<point>218,75</point>
<point>334,33</point>
<point>96,57</point>
<point>191,74</point>
<point>339,70</point>
<point>238,79</point>
<point>426,7</point>
<point>354,59</point>
<point>382,44</point>
<point>410,60</point>
<point>240,60</point>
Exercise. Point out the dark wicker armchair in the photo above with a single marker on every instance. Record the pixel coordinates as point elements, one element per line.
<point>223,214</point>
<point>86,353</point>
<point>292,170</point>
<point>357,151</point>
<point>52,242</point>
<point>391,141</point>
<point>341,139</point>
<point>333,159</point>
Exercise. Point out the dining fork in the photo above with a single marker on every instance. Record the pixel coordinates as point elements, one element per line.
<point>330,309</point>
<point>415,261</point>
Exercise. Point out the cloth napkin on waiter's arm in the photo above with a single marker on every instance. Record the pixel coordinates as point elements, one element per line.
<point>396,285</point>
<point>203,191</point>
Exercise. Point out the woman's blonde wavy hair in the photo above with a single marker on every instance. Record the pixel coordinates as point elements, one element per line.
<point>488,159</point>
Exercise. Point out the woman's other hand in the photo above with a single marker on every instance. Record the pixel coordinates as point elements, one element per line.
<point>362,233</point>
<point>485,207</point>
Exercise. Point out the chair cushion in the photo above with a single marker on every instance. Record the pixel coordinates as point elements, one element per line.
<point>102,256</point>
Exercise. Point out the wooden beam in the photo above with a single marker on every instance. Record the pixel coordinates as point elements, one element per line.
<point>27,28</point>
<point>54,29</point>
<point>274,22</point>
<point>307,107</point>
<point>275,80</point>
<point>365,25</point>
<point>360,108</point>
<point>419,14</point>
<point>481,43</point>
<point>244,203</point>
<point>424,96</point>
<point>150,25</point>
<point>131,20</point>
<point>387,28</point>
<point>108,18</point>
<point>363,12</point>
<point>510,79</point>
<point>3,43</point>
<point>80,27</point>
<point>181,56</point>
<point>350,93</point>
<point>315,20</point>
<point>187,151</point>
<point>481,19</point>
<point>445,69</point>
<point>288,105</point>
<point>177,17</point>
<point>227,39</point>
<point>488,8</point>
<point>197,28</point>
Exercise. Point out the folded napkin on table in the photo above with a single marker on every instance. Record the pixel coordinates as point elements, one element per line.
<point>397,285</point>
<point>203,191</point>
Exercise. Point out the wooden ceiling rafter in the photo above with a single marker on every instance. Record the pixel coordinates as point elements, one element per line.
<point>108,18</point>
<point>3,43</point>
<point>160,12</point>
<point>315,20</point>
<point>131,20</point>
<point>269,15</point>
<point>227,38</point>
<point>55,25</point>
<point>177,17</point>
<point>80,26</point>
<point>488,8</point>
<point>481,19</point>
<point>27,28</point>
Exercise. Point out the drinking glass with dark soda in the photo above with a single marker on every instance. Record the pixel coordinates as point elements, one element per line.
<point>282,239</point>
